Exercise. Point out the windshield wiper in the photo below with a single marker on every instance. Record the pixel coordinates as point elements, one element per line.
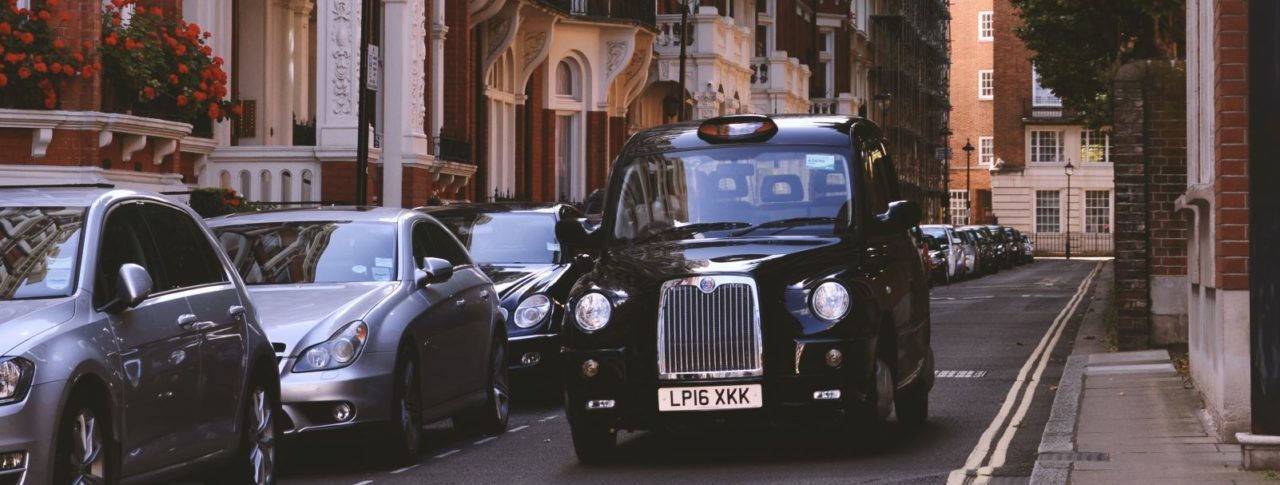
<point>697,227</point>
<point>787,223</point>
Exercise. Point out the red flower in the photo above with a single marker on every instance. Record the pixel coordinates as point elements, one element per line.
<point>64,16</point>
<point>11,58</point>
<point>41,67</point>
<point>59,44</point>
<point>79,57</point>
<point>214,111</point>
<point>87,45</point>
<point>28,38</point>
<point>112,39</point>
<point>119,3</point>
<point>180,50</point>
<point>156,11</point>
<point>217,60</point>
<point>4,80</point>
<point>68,70</point>
<point>182,100</point>
<point>23,72</point>
<point>173,79</point>
<point>238,109</point>
<point>149,92</point>
<point>208,35</point>
<point>200,96</point>
<point>206,50</point>
<point>87,72</point>
<point>52,3</point>
<point>45,15</point>
<point>115,20</point>
<point>5,28</point>
<point>182,68</point>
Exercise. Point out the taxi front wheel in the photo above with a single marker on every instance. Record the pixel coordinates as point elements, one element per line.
<point>594,442</point>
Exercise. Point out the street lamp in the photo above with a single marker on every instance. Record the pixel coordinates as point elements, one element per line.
<point>1069,169</point>
<point>968,192</point>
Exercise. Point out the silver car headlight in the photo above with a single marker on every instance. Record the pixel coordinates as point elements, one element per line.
<point>532,311</point>
<point>15,379</point>
<point>592,312</point>
<point>339,351</point>
<point>830,301</point>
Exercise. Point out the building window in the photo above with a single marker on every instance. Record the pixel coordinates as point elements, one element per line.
<point>1040,95</point>
<point>566,80</point>
<point>959,207</point>
<point>1046,146</point>
<point>569,175</point>
<point>1097,212</point>
<point>986,30</point>
<point>1048,211</point>
<point>1095,146</point>
<point>986,87</point>
<point>986,150</point>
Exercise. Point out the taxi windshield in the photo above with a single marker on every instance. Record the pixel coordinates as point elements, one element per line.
<point>731,192</point>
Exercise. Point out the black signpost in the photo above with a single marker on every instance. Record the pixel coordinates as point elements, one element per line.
<point>1264,205</point>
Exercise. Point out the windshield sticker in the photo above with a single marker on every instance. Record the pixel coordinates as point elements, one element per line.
<point>381,274</point>
<point>820,162</point>
<point>359,269</point>
<point>58,279</point>
<point>553,247</point>
<point>59,263</point>
<point>382,262</point>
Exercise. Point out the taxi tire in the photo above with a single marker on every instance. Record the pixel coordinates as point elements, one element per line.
<point>595,442</point>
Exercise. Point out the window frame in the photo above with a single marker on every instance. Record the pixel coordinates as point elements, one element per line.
<point>1040,207</point>
<point>1102,214</point>
<point>986,84</point>
<point>1034,146</point>
<point>986,26</point>
<point>212,248</point>
<point>986,150</point>
<point>1086,138</point>
<point>959,205</point>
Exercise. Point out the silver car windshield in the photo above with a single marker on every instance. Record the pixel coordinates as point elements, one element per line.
<point>311,251</point>
<point>488,237</point>
<point>39,251</point>
<point>734,192</point>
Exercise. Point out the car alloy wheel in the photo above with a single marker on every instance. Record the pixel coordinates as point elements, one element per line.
<point>410,410</point>
<point>262,439</point>
<point>87,462</point>
<point>500,380</point>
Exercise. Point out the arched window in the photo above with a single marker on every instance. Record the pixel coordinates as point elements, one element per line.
<point>286,186</point>
<point>224,179</point>
<point>306,186</point>
<point>246,183</point>
<point>265,181</point>
<point>566,80</point>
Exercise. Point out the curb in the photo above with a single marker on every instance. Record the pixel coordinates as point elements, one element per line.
<point>1060,431</point>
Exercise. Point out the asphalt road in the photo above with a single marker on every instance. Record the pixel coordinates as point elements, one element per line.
<point>992,326</point>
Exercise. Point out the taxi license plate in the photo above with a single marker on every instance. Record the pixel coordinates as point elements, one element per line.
<point>710,398</point>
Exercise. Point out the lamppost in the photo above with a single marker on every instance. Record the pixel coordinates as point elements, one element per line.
<point>968,193</point>
<point>1069,169</point>
<point>946,176</point>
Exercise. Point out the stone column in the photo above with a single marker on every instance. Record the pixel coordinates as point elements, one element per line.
<point>301,58</point>
<point>439,32</point>
<point>337,71</point>
<point>404,83</point>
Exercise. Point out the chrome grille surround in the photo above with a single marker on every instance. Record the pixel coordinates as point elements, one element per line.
<point>709,334</point>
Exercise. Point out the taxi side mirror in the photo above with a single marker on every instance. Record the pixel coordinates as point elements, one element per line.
<point>901,215</point>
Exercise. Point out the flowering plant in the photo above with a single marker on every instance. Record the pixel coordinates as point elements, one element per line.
<point>34,63</point>
<point>215,201</point>
<point>160,66</point>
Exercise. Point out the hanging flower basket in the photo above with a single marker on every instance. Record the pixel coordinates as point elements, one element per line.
<point>35,65</point>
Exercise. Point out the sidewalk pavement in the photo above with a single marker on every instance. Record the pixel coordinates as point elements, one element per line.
<point>1129,417</point>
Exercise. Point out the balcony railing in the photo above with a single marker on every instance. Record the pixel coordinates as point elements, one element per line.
<point>707,33</point>
<point>780,73</point>
<point>632,10</point>
<point>455,150</point>
<point>1043,109</point>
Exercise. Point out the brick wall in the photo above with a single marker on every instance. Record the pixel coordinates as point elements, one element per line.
<point>1231,150</point>
<point>1149,149</point>
<point>459,81</point>
<point>597,160</point>
<point>1012,78</point>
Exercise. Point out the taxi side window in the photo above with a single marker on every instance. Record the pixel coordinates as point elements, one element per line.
<point>432,241</point>
<point>881,183</point>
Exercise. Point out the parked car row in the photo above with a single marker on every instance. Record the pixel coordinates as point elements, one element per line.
<point>953,254</point>
<point>743,268</point>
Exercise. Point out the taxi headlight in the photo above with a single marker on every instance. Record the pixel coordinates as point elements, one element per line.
<point>592,312</point>
<point>830,301</point>
<point>532,311</point>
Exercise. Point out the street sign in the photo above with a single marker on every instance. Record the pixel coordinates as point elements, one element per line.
<point>371,82</point>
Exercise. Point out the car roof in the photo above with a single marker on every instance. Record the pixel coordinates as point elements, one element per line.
<point>792,130</point>
<point>67,195</point>
<point>549,208</point>
<point>330,213</point>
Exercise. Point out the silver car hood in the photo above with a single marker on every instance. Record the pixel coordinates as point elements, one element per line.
<point>302,315</point>
<point>22,319</point>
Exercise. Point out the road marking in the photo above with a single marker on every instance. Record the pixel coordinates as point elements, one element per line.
<point>446,454</point>
<point>366,482</point>
<point>518,428</point>
<point>959,374</point>
<point>548,418</point>
<point>486,440</point>
<point>1039,358</point>
<point>405,469</point>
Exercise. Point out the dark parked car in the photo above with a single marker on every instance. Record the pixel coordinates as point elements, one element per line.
<point>532,272</point>
<point>379,319</point>
<point>748,268</point>
<point>1006,250</point>
<point>1017,251</point>
<point>1028,249</point>
<point>990,251</point>
<point>131,350</point>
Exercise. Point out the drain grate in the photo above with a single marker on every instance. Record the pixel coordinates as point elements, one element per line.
<point>1075,456</point>
<point>959,374</point>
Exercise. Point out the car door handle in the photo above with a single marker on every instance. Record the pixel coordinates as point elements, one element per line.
<point>236,311</point>
<point>186,321</point>
<point>460,303</point>
<point>484,295</point>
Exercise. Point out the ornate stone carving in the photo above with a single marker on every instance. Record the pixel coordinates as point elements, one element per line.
<point>533,44</point>
<point>617,52</point>
<point>496,36</point>
<point>418,65</point>
<point>341,18</point>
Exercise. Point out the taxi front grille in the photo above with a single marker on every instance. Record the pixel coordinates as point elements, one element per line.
<point>709,328</point>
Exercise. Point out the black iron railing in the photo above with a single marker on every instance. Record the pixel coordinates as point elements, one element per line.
<point>633,10</point>
<point>1082,244</point>
<point>455,150</point>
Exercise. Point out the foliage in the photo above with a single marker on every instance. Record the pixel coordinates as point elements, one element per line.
<point>160,66</point>
<point>212,202</point>
<point>1079,45</point>
<point>36,65</point>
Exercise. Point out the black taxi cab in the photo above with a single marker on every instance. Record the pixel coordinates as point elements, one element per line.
<point>747,268</point>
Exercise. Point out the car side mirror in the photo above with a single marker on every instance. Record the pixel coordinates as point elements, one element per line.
<point>133,285</point>
<point>901,215</point>
<point>434,270</point>
<point>573,233</point>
